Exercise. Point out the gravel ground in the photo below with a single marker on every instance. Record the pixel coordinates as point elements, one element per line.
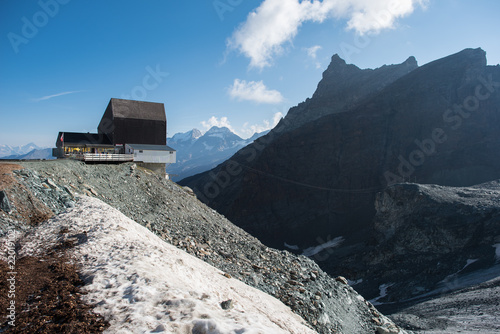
<point>329,305</point>
<point>472,310</point>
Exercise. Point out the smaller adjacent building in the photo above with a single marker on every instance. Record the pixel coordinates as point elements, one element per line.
<point>128,131</point>
<point>161,154</point>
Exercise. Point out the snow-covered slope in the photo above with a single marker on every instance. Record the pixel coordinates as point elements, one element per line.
<point>142,284</point>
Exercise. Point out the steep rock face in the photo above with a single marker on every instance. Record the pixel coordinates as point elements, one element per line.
<point>429,238</point>
<point>344,86</point>
<point>439,123</point>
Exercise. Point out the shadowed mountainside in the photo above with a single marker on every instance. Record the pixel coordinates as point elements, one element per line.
<point>321,178</point>
<point>309,185</point>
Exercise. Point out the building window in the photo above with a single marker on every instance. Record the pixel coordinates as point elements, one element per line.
<point>140,151</point>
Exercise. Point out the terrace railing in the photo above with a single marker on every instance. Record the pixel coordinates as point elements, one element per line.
<point>103,157</point>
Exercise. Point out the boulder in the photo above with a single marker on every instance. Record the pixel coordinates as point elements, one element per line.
<point>4,202</point>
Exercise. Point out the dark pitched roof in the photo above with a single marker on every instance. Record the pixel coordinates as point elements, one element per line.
<point>137,109</point>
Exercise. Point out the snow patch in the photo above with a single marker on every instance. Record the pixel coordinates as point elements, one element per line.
<point>383,293</point>
<point>240,143</point>
<point>352,283</point>
<point>207,147</point>
<point>454,277</point>
<point>142,284</point>
<point>217,135</point>
<point>311,251</point>
<point>469,262</point>
<point>497,252</point>
<point>292,247</point>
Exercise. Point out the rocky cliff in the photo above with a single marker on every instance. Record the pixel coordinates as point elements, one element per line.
<point>428,239</point>
<point>344,86</point>
<point>313,189</point>
<point>437,124</point>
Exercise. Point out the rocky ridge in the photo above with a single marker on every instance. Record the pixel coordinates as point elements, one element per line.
<point>174,214</point>
<point>470,310</point>
<point>344,86</point>
<point>321,178</point>
<point>438,124</point>
<point>441,238</point>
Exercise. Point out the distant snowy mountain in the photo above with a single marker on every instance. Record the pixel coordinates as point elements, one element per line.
<point>37,154</point>
<point>186,138</point>
<point>197,153</point>
<point>6,150</point>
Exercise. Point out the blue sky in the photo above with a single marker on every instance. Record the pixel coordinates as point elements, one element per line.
<point>239,63</point>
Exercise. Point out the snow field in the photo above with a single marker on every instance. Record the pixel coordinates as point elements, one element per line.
<point>142,284</point>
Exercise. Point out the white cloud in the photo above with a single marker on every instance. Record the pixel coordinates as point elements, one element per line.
<point>254,91</point>
<point>214,121</point>
<point>312,53</point>
<point>56,95</point>
<point>275,22</point>
<point>247,130</point>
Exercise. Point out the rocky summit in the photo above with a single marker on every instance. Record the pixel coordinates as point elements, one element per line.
<point>311,184</point>
<point>343,86</point>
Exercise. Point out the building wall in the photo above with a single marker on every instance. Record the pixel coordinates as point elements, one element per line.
<point>166,157</point>
<point>139,131</point>
<point>134,122</point>
<point>106,126</point>
<point>58,152</point>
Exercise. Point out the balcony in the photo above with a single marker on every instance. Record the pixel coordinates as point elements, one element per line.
<point>103,157</point>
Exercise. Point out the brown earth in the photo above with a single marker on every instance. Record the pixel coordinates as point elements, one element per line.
<point>47,297</point>
<point>47,289</point>
<point>28,208</point>
<point>6,177</point>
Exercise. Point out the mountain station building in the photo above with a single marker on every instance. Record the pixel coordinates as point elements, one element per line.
<point>128,131</point>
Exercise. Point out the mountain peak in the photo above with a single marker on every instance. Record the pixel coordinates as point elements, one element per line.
<point>186,136</point>
<point>411,61</point>
<point>477,56</point>
<point>337,60</point>
<point>344,86</point>
<point>195,133</point>
<point>216,129</point>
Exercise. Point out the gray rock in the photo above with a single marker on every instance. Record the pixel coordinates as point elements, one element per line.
<point>387,330</point>
<point>449,232</point>
<point>69,191</point>
<point>4,202</point>
<point>227,305</point>
<point>51,184</point>
<point>69,204</point>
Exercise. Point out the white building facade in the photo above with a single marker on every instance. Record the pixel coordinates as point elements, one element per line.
<point>159,154</point>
